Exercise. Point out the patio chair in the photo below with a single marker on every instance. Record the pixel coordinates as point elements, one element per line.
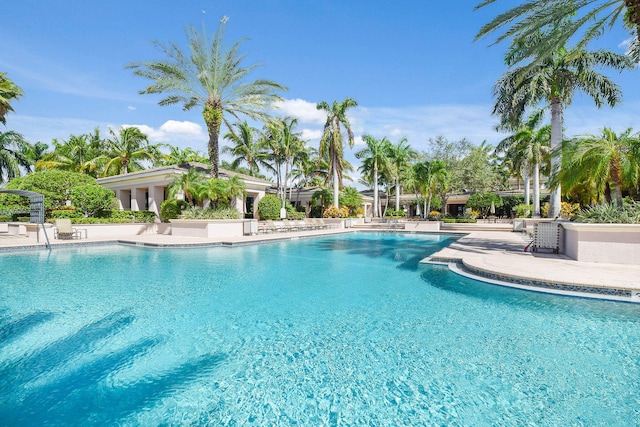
<point>264,227</point>
<point>276,226</point>
<point>64,231</point>
<point>291,225</point>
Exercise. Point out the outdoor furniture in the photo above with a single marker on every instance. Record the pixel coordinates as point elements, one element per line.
<point>64,231</point>
<point>292,226</point>
<point>264,227</point>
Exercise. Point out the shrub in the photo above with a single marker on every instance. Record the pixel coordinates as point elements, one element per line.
<point>316,212</point>
<point>400,213</point>
<point>434,215</point>
<point>629,213</point>
<point>91,199</point>
<point>66,213</point>
<point>522,210</point>
<point>208,213</point>
<point>569,210</point>
<point>544,210</point>
<point>269,207</point>
<point>55,185</point>
<point>172,208</point>
<point>334,212</point>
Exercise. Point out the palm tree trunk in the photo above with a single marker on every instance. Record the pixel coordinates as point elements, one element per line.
<point>526,177</point>
<point>376,198</point>
<point>615,173</point>
<point>397,193</point>
<point>213,119</point>
<point>557,122</point>
<point>536,190</point>
<point>336,185</point>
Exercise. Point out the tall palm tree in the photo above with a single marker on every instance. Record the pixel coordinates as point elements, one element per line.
<point>374,159</point>
<point>554,80</point>
<point>400,155</point>
<point>12,147</point>
<point>591,16</point>
<point>247,147</point>
<point>235,190</point>
<point>331,142</point>
<point>126,149</point>
<point>9,92</point>
<point>605,160</point>
<point>287,147</point>
<point>35,152</point>
<point>77,154</point>
<point>211,77</point>
<point>528,148</point>
<point>428,175</point>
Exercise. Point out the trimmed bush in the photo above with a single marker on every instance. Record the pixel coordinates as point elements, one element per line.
<point>92,199</point>
<point>269,207</point>
<point>208,213</point>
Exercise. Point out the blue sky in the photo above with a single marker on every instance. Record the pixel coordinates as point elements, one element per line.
<point>412,66</point>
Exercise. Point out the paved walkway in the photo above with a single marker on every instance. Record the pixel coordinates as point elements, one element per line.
<point>501,255</point>
<point>492,254</point>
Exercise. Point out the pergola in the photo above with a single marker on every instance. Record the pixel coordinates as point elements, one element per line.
<point>36,211</point>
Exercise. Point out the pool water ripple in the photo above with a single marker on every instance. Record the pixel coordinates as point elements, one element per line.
<point>346,330</point>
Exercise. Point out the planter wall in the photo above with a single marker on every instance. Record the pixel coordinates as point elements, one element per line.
<point>208,228</point>
<point>609,243</point>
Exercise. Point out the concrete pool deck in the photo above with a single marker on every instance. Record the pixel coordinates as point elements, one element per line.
<point>493,256</point>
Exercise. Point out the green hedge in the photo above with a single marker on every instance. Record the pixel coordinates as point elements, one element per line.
<point>269,207</point>
<point>107,217</point>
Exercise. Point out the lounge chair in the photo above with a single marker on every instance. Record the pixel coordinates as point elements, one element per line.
<point>264,227</point>
<point>63,230</point>
<point>291,225</point>
<point>277,226</point>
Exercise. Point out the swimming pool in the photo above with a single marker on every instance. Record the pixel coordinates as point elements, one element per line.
<point>344,330</point>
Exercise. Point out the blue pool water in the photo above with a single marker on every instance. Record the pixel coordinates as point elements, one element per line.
<point>346,330</point>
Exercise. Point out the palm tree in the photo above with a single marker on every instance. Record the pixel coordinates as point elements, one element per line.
<point>554,80</point>
<point>235,189</point>
<point>187,184</point>
<point>399,156</point>
<point>179,156</point>
<point>78,154</point>
<point>287,148</point>
<point>531,17</point>
<point>605,161</point>
<point>331,142</point>
<point>126,149</point>
<point>247,148</point>
<point>428,175</point>
<point>12,147</point>
<point>527,148</point>
<point>34,152</point>
<point>374,159</point>
<point>9,91</point>
<point>211,77</point>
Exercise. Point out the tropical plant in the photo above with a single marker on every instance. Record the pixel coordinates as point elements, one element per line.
<point>324,196</point>
<point>9,92</point>
<point>80,153</point>
<point>351,198</point>
<point>554,80</point>
<point>247,148</point>
<point>34,152</point>
<point>12,157</point>
<point>527,149</point>
<point>603,162</point>
<point>331,142</point>
<point>483,202</point>
<point>188,184</point>
<point>126,149</point>
<point>179,156</point>
<point>428,175</point>
<point>375,158</point>
<point>593,16</point>
<point>400,156</point>
<point>628,213</point>
<point>197,212</point>
<point>211,77</point>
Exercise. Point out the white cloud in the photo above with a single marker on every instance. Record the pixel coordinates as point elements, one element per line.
<point>311,134</point>
<point>304,111</point>
<point>131,108</point>
<point>181,134</point>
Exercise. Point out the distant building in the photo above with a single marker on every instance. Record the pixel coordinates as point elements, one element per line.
<point>147,189</point>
